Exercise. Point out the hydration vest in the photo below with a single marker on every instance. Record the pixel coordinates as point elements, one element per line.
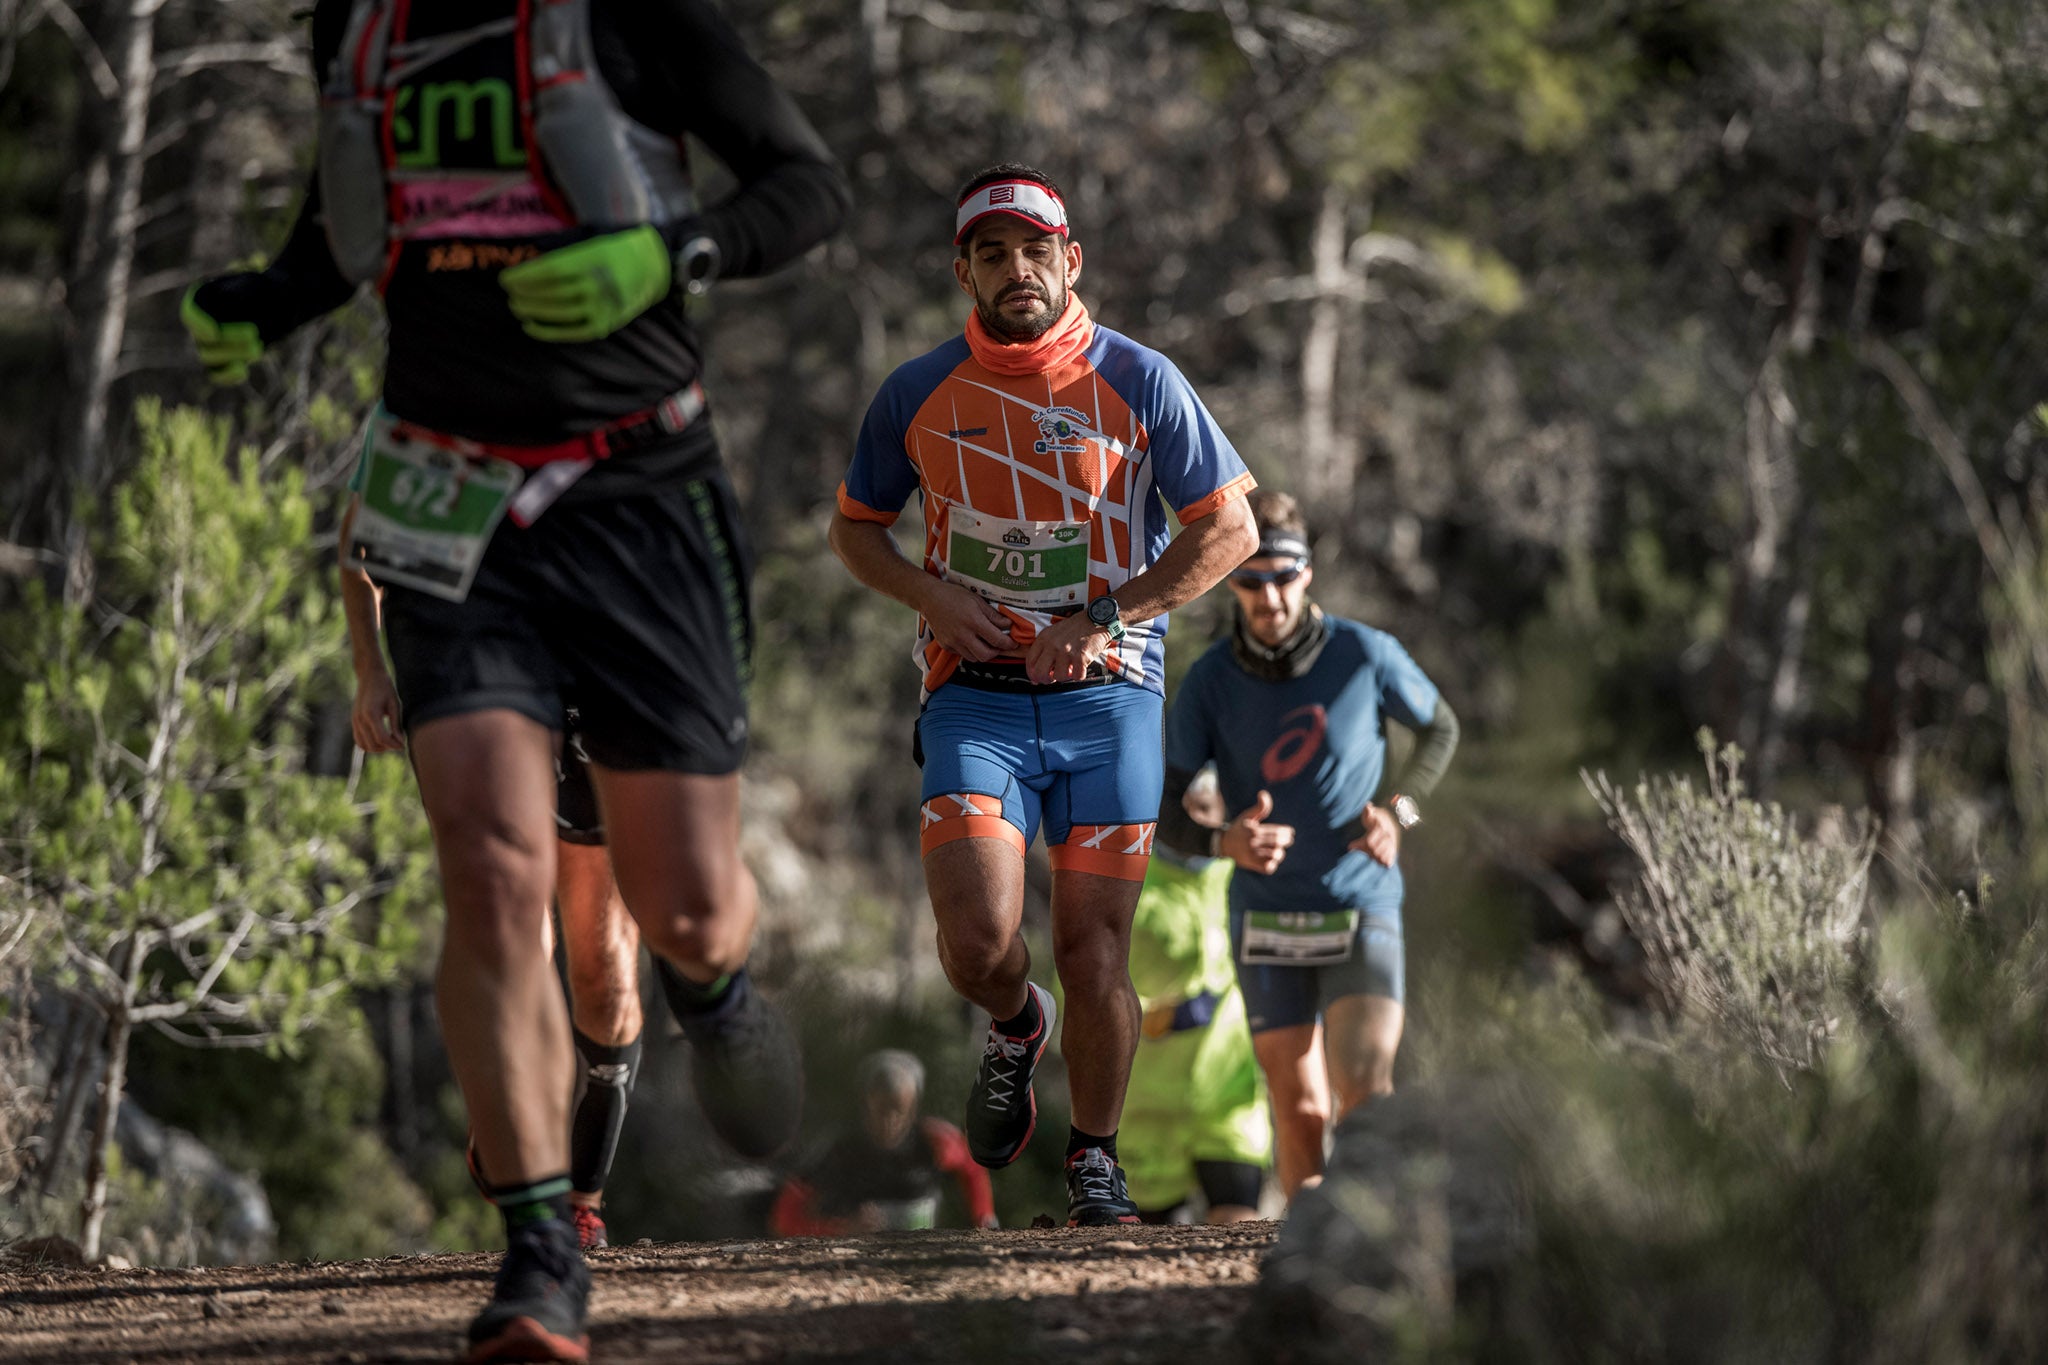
<point>585,163</point>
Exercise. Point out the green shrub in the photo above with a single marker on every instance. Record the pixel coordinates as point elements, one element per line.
<point>1749,928</point>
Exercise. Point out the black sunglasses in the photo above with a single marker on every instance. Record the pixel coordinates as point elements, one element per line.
<point>1258,578</point>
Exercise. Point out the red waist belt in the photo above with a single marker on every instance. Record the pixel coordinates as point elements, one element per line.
<point>665,419</point>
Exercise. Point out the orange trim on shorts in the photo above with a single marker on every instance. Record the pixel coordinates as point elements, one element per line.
<point>1119,851</point>
<point>964,815</point>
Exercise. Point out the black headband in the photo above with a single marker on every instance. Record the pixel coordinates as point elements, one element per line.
<point>1283,545</point>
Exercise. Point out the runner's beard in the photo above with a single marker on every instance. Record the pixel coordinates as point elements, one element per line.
<point>1021,329</point>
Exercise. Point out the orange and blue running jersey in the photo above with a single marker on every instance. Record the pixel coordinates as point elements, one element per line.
<point>1098,442</point>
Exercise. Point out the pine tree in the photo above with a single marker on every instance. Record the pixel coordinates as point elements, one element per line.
<point>160,823</point>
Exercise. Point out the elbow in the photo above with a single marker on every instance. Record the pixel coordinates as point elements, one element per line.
<point>839,534</point>
<point>1445,724</point>
<point>1237,532</point>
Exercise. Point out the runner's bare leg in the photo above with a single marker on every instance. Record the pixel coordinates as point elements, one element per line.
<point>1362,1033</point>
<point>674,840</point>
<point>1292,1059</point>
<point>1091,951</point>
<point>602,945</point>
<point>977,891</point>
<point>487,779</point>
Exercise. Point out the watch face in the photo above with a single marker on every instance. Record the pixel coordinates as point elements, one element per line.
<point>1102,610</point>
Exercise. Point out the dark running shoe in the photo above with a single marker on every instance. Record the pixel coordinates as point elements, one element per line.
<point>589,1228</point>
<point>536,1310</point>
<point>1001,1110</point>
<point>1096,1196</point>
<point>749,1075</point>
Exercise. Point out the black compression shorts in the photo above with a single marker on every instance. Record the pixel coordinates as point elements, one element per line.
<point>636,608</point>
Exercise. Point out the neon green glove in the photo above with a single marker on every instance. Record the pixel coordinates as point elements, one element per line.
<point>226,349</point>
<point>591,289</point>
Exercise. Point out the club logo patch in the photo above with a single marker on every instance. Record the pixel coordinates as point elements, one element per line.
<point>1060,429</point>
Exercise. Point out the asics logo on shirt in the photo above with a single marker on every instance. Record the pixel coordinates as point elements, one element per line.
<point>1301,738</point>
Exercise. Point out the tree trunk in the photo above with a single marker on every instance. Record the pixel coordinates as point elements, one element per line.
<point>74,1056</point>
<point>100,285</point>
<point>1326,476</point>
<point>92,1209</point>
<point>1890,776</point>
<point>1788,653</point>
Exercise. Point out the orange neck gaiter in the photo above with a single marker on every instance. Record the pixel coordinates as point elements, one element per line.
<point>1061,343</point>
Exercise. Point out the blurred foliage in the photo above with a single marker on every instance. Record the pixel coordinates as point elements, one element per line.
<point>1690,1197</point>
<point>306,1127</point>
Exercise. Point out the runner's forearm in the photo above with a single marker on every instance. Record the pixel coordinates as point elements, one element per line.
<point>1192,563</point>
<point>871,555</point>
<point>359,606</point>
<point>1434,745</point>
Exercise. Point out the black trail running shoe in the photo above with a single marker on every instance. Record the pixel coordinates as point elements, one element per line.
<point>749,1073</point>
<point>1001,1110</point>
<point>1096,1196</point>
<point>536,1310</point>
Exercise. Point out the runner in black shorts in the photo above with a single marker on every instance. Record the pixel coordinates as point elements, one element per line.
<point>544,501</point>
<point>600,943</point>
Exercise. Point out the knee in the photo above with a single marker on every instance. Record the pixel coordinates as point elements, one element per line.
<point>717,941</point>
<point>497,885</point>
<point>1303,1112</point>
<point>1369,1077</point>
<point>971,953</point>
<point>704,921</point>
<point>1092,959</point>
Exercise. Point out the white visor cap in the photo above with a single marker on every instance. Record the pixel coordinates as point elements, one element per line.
<point>1025,199</point>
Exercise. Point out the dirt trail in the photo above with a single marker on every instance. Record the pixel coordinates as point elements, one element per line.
<point>1140,1295</point>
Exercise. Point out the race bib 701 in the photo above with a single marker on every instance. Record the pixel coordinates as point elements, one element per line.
<point>1041,565</point>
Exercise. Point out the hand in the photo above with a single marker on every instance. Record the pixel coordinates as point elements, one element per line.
<point>1253,844</point>
<point>374,716</point>
<point>1382,837</point>
<point>963,621</point>
<point>226,349</point>
<point>1064,649</point>
<point>591,289</point>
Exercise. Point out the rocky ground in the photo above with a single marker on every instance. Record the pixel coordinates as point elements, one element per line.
<point>1117,1295</point>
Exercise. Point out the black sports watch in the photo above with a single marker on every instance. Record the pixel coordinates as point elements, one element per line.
<point>696,264</point>
<point>1103,612</point>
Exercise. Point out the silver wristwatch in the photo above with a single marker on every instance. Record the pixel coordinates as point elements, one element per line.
<point>1406,813</point>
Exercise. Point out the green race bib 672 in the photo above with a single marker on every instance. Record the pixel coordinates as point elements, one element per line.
<point>427,513</point>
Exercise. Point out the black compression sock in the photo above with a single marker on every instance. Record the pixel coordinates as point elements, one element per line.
<point>691,1001</point>
<point>608,1075</point>
<point>533,1201</point>
<point>1078,1141</point>
<point>1025,1023</point>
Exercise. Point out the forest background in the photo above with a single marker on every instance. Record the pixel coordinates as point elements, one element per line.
<point>1647,367</point>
